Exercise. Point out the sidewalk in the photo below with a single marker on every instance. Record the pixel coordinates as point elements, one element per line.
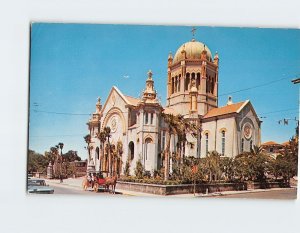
<point>77,184</point>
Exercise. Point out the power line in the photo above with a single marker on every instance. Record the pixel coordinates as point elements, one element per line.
<point>283,110</point>
<point>256,86</point>
<point>63,113</point>
<point>66,135</point>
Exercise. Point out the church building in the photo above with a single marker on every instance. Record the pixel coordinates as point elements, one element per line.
<point>138,130</point>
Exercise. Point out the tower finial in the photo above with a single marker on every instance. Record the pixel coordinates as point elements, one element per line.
<point>193,32</point>
<point>150,74</point>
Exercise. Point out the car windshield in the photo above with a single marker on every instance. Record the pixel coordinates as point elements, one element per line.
<point>36,183</point>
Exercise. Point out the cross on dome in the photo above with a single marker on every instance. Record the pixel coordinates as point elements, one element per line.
<point>193,31</point>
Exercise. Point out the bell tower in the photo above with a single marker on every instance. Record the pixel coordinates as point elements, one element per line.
<point>192,73</point>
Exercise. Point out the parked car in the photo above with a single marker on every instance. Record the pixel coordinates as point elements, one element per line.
<point>39,186</point>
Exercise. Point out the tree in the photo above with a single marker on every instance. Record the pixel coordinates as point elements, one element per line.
<point>102,138</point>
<point>289,160</point>
<point>36,162</point>
<point>55,154</point>
<point>173,123</point>
<point>107,132</point>
<point>176,125</point>
<point>212,165</point>
<point>61,146</point>
<point>139,169</point>
<point>227,168</point>
<point>87,139</point>
<point>127,167</point>
<point>71,156</point>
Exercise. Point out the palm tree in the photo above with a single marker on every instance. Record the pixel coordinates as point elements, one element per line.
<point>119,157</point>
<point>173,123</point>
<point>87,139</point>
<point>102,138</point>
<point>256,150</point>
<point>54,152</point>
<point>60,146</point>
<point>107,135</point>
<point>177,125</point>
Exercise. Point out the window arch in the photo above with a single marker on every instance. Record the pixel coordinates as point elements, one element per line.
<point>97,153</point>
<point>176,84</point>
<point>147,142</point>
<point>198,81</point>
<point>223,142</point>
<point>187,81</point>
<point>172,89</point>
<point>206,143</point>
<point>242,145</point>
<point>131,150</point>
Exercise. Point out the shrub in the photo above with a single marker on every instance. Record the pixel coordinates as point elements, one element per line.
<point>127,168</point>
<point>139,169</point>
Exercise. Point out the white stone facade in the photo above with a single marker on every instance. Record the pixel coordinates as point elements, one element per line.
<point>192,85</point>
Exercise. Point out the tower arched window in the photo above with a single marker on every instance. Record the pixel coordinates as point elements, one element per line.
<point>179,78</point>
<point>193,76</point>
<point>176,83</point>
<point>131,150</point>
<point>251,144</point>
<point>151,118</point>
<point>163,140</point>
<point>187,81</point>
<point>146,118</point>
<point>242,145</point>
<point>147,152</point>
<point>198,81</point>
<point>172,91</point>
<point>206,143</point>
<point>97,152</point>
<point>207,85</point>
<point>223,142</point>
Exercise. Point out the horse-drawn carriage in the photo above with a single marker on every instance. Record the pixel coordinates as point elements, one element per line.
<point>100,182</point>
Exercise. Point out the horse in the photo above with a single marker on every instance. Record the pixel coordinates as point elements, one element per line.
<point>86,184</point>
<point>111,181</point>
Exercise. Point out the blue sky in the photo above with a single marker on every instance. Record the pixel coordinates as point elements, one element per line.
<point>72,64</point>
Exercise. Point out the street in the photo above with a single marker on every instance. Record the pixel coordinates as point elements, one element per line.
<point>66,190</point>
<point>287,194</point>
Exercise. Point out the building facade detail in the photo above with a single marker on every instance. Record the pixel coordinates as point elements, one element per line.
<point>138,131</point>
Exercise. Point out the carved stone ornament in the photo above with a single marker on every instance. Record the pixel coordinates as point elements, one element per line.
<point>113,123</point>
<point>247,131</point>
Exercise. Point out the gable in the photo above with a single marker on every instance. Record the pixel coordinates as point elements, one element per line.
<point>115,98</point>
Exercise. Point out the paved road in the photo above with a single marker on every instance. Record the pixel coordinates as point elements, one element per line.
<point>66,190</point>
<point>273,194</point>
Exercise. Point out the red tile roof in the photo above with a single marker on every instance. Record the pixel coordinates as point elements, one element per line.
<point>233,108</point>
<point>132,100</point>
<point>170,110</point>
<point>287,143</point>
<point>270,143</point>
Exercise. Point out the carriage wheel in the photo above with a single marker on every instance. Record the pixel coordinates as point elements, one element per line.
<point>96,186</point>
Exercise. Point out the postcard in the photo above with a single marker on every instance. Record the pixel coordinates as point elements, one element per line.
<point>167,111</point>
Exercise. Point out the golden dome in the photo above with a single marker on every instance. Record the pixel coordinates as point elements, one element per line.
<point>193,50</point>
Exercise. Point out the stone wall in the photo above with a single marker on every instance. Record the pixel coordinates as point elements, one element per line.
<point>180,189</point>
<point>267,185</point>
<point>199,188</point>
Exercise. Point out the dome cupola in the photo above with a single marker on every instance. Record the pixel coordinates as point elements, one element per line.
<point>191,50</point>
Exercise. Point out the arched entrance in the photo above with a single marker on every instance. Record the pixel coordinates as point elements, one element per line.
<point>148,152</point>
<point>131,150</point>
